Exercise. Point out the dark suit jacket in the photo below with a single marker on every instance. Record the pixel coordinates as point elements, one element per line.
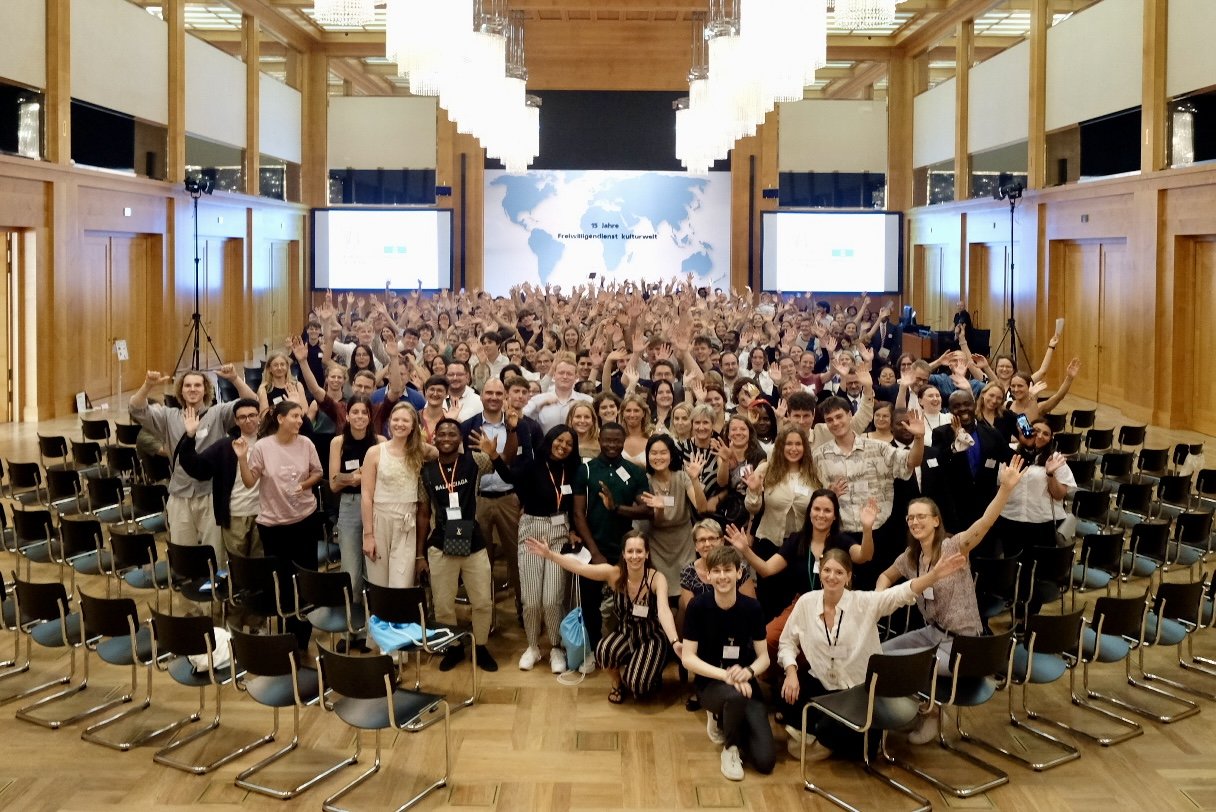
<point>528,434</point>
<point>964,496</point>
<point>893,344</point>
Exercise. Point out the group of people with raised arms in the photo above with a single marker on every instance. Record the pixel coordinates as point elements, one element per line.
<point>727,515</point>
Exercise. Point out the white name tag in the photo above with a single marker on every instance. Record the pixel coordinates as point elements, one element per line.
<point>454,514</point>
<point>815,567</point>
<point>730,652</point>
<point>558,520</point>
<point>884,353</point>
<point>989,463</point>
<point>277,401</point>
<point>453,500</point>
<point>931,463</point>
<point>566,491</point>
<point>622,473</point>
<point>801,489</point>
<point>641,610</point>
<point>669,501</point>
<point>351,465</point>
<point>928,595</point>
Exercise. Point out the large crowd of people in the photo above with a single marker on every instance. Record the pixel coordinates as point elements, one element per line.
<point>737,484</point>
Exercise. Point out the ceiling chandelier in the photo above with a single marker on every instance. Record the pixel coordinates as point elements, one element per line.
<point>854,14</point>
<point>345,13</point>
<point>470,55</point>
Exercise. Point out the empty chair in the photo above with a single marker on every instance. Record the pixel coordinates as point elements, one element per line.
<point>253,376</point>
<point>1056,421</point>
<point>1133,502</point>
<point>97,431</point>
<point>148,511</point>
<point>273,677</point>
<point>1176,610</point>
<point>1067,443</point>
<point>1182,451</point>
<point>996,586</point>
<point>1173,493</point>
<point>1109,638</point>
<point>86,457</point>
<point>156,468</point>
<point>63,491</point>
<point>47,619</point>
<point>978,666</point>
<point>1192,538</point>
<point>82,548</point>
<point>1092,509</point>
<point>127,433</point>
<point>889,699</point>
<point>14,665</point>
<point>194,573</point>
<point>1098,441</point>
<point>1147,549</point>
<point>1205,486</point>
<point>1114,468</point>
<point>254,588</point>
<point>106,496</point>
<point>53,452</point>
<point>326,600</point>
<point>121,461</point>
<point>1100,563</point>
<point>1082,418</point>
<point>1046,576</point>
<point>369,699</point>
<point>1083,471</point>
<point>25,483</point>
<point>35,537</point>
<point>185,649</point>
<point>114,632</point>
<point>1131,436</point>
<point>1152,463</point>
<point>134,562</point>
<point>1052,645</point>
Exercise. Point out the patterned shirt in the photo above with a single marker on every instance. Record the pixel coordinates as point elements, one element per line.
<point>870,469</point>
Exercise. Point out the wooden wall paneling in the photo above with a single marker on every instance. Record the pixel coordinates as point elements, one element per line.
<point>1153,104</point>
<point>91,318</point>
<point>900,97</point>
<point>474,207</point>
<point>232,320</point>
<point>768,177</point>
<point>1197,264</point>
<point>613,54</point>
<point>59,81</point>
<point>23,203</point>
<point>251,48</point>
<point>1036,142</point>
<point>174,13</point>
<point>10,249</point>
<point>314,167</point>
<point>747,186</point>
<point>1115,328</point>
<point>297,302</point>
<point>1080,296</point>
<point>964,38</point>
<point>133,263</point>
<point>280,270</point>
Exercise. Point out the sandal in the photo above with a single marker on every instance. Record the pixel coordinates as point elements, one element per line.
<point>617,695</point>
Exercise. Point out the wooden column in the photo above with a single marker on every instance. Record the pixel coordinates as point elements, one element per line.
<point>175,163</point>
<point>899,133</point>
<point>252,47</point>
<point>1036,141</point>
<point>1153,106</point>
<point>962,100</point>
<point>314,168</point>
<point>59,81</point>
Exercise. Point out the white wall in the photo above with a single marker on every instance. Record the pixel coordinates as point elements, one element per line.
<point>1191,58</point>
<point>120,58</point>
<point>933,117</point>
<point>999,99</point>
<point>1094,62</point>
<point>23,42</point>
<point>367,132</point>
<point>832,136</point>
<point>215,94</point>
<point>279,126</point>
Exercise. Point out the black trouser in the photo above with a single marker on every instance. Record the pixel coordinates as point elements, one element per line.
<point>292,544</point>
<point>744,721</point>
<point>842,741</point>
<point>590,594</point>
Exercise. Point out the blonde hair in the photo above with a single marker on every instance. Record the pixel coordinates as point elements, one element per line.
<point>413,443</point>
<point>640,402</point>
<point>266,381</point>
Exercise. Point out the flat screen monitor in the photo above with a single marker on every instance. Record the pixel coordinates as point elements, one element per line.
<point>368,248</point>
<point>832,251</point>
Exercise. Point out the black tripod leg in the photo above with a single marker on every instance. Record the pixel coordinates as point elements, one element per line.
<point>211,343</point>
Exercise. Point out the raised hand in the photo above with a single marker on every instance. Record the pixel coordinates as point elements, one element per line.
<point>240,446</point>
<point>695,464</point>
<point>1055,462</point>
<point>755,481</point>
<point>606,498</point>
<point>652,501</point>
<point>1011,473</point>
<point>869,513</point>
<point>227,372</point>
<point>298,349</point>
<point>915,423</point>
<point>1074,368</point>
<point>154,378</point>
<point>739,539</point>
<point>191,420</point>
<point>1039,386</point>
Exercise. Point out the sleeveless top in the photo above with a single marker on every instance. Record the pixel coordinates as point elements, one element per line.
<point>396,486</point>
<point>353,452</point>
<point>631,625</point>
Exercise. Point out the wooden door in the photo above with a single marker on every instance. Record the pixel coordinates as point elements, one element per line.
<point>1080,287</point>
<point>987,296</point>
<point>927,288</point>
<point>92,317</point>
<point>1120,358</point>
<point>282,320</point>
<point>1203,284</point>
<point>9,248</point>
<point>129,274</point>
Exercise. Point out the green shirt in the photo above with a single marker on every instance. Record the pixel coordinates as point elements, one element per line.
<point>626,482</point>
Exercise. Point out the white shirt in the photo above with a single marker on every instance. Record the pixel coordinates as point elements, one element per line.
<point>553,412</point>
<point>470,404</point>
<point>1029,501</point>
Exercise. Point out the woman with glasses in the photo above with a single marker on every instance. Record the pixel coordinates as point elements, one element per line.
<point>950,607</point>
<point>694,578</point>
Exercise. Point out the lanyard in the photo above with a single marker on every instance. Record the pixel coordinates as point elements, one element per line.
<point>450,484</point>
<point>557,489</point>
<point>828,632</point>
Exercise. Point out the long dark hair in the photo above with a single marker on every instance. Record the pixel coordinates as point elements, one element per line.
<point>357,400</point>
<point>570,464</point>
<point>808,530</point>
<point>623,568</point>
<point>677,457</point>
<point>354,367</point>
<point>270,420</point>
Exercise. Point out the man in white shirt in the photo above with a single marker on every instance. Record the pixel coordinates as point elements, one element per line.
<point>461,400</point>
<point>550,409</point>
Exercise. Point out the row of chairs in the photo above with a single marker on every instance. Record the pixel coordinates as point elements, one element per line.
<point>1048,647</point>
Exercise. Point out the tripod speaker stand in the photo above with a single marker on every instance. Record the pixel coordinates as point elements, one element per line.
<point>196,187</point>
<point>1012,191</point>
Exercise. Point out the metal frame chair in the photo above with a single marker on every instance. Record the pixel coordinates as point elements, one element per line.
<point>976,664</point>
<point>135,562</point>
<point>35,537</point>
<point>254,587</point>
<point>1100,564</point>
<point>1110,637</point>
<point>1082,418</point>
<point>54,447</point>
<point>63,492</point>
<point>127,433</point>
<point>996,586</point>
<point>326,600</point>
<point>1067,443</point>
<point>148,510</point>
<point>1056,421</point>
<point>1173,493</point>
<point>1176,613</point>
<point>1115,468</point>
<point>1098,441</point>
<point>370,700</point>
<point>45,617</point>
<point>8,622</point>
<point>274,678</point>
<point>194,572</point>
<point>1147,549</point>
<point>96,430</point>
<point>889,699</point>
<point>408,605</point>
<point>1152,462</point>
<point>81,549</point>
<point>25,485</point>
<point>1133,436</point>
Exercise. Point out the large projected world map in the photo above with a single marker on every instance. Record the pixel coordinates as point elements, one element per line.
<point>560,227</point>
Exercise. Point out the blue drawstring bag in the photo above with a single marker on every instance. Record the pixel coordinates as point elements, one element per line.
<point>574,638</point>
<point>396,636</point>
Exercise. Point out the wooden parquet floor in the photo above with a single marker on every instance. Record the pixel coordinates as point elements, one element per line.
<point>534,744</point>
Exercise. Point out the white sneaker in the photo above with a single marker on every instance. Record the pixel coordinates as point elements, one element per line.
<point>557,660</point>
<point>814,751</point>
<point>926,731</point>
<point>588,666</point>
<point>714,729</point>
<point>528,659</point>
<point>732,764</point>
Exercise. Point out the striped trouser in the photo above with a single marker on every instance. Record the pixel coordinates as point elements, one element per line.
<point>639,658</point>
<point>542,583</point>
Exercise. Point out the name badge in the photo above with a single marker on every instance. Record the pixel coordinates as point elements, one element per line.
<point>928,594</point>
<point>277,401</point>
<point>815,567</point>
<point>454,514</point>
<point>557,520</point>
<point>622,473</point>
<point>730,652</point>
<point>989,463</point>
<point>351,465</point>
<point>801,489</point>
<point>641,610</point>
<point>884,353</point>
<point>453,500</point>
<point>566,490</point>
<point>931,463</point>
<point>669,501</point>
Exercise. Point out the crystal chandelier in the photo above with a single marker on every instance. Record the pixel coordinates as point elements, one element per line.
<point>345,13</point>
<point>854,14</point>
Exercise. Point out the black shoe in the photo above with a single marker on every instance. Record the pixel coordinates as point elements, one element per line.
<point>341,647</point>
<point>484,661</point>
<point>453,657</point>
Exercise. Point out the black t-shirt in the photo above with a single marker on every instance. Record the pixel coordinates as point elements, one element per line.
<point>716,630</point>
<point>463,477</point>
<point>797,557</point>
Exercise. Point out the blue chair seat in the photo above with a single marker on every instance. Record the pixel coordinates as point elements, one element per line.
<point>1091,578</point>
<point>1140,567</point>
<point>51,635</point>
<point>1047,667</point>
<point>1185,554</point>
<point>1172,632</point>
<point>1113,649</point>
<point>154,524</point>
<point>971,692</point>
<point>183,673</point>
<point>890,713</point>
<point>333,619</point>
<point>142,578</point>
<point>372,714</point>
<point>276,692</point>
<point>117,650</point>
<point>92,563</point>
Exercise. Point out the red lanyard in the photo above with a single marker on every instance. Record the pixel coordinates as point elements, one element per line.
<point>557,489</point>
<point>450,484</point>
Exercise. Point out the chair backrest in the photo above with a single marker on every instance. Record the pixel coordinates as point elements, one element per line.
<point>1067,443</point>
<point>996,576</point>
<point>1082,471</point>
<point>1174,489</point>
<point>148,498</point>
<point>87,453</point>
<point>1116,463</point>
<point>108,617</point>
<point>1056,421</point>
<point>127,433</point>
<point>1092,505</point>
<point>24,475</point>
<point>902,674</point>
<point>1205,482</point>
<point>1055,634</point>
<point>96,430</point>
<point>973,657</point>
<point>1099,439</point>
<point>1193,527</point>
<point>1153,461</point>
<point>33,525</point>
<point>1082,418</point>
<point>79,535</point>
<point>1051,564</point>
<point>104,491</point>
<point>396,604</point>
<point>252,574</point>
<point>315,588</point>
<point>62,483</point>
<point>53,446</point>
<point>41,601</point>
<point>1120,617</point>
<point>121,459</point>
<point>188,562</point>
<point>266,655</point>
<point>1150,538</point>
<point>1182,602</point>
<point>1134,497</point>
<point>358,677</point>
<point>1132,435</point>
<point>183,636</point>
<point>132,550</point>
<point>1102,551</point>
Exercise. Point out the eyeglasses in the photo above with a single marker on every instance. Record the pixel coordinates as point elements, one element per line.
<point>919,517</point>
<point>253,416</point>
<point>700,539</point>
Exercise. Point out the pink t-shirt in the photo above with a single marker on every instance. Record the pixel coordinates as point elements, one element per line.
<point>282,466</point>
